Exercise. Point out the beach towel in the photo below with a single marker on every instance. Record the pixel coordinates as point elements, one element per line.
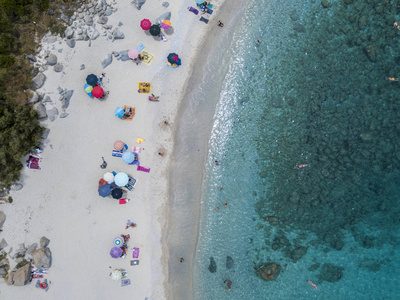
<point>140,48</point>
<point>125,282</point>
<point>209,11</point>
<point>117,153</point>
<point>147,57</point>
<point>33,163</point>
<point>139,168</point>
<point>193,10</point>
<point>135,253</point>
<point>202,19</point>
<point>137,149</point>
<point>123,201</point>
<point>140,140</point>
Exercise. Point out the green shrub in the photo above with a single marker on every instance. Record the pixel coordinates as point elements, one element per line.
<point>10,199</point>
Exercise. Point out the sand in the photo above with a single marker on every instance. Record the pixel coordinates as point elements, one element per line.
<point>61,202</point>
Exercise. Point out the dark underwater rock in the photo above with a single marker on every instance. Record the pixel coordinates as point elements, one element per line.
<point>298,253</point>
<point>213,266</point>
<point>230,264</point>
<point>325,4</point>
<point>330,273</point>
<point>269,271</point>
<point>370,52</point>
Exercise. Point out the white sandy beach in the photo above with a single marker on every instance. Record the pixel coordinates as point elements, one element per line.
<point>61,201</point>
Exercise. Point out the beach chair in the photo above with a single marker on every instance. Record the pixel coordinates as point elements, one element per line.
<point>129,113</point>
<point>144,87</point>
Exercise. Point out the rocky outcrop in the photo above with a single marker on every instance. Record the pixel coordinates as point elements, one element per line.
<point>44,242</point>
<point>41,110</point>
<point>51,60</point>
<point>2,218</point>
<point>269,271</point>
<point>22,275</point>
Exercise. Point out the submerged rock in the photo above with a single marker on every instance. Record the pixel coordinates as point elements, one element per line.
<point>269,271</point>
<point>370,52</point>
<point>298,253</point>
<point>213,266</point>
<point>230,264</point>
<point>330,273</point>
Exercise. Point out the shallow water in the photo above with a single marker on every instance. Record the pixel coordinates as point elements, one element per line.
<point>312,92</point>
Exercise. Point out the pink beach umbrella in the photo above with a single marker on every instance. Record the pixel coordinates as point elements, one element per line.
<point>145,24</point>
<point>133,53</point>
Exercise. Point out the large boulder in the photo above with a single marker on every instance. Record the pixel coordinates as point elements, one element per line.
<point>51,60</point>
<point>2,218</point>
<point>70,42</point>
<point>102,20</point>
<point>139,3</point>
<point>52,114</point>
<point>39,80</point>
<point>330,273</point>
<point>42,258</point>
<point>107,61</point>
<point>117,34</point>
<point>34,98</point>
<point>22,275</point>
<point>10,278</point>
<point>58,67</point>
<point>269,271</point>
<point>44,242</point>
<point>213,266</point>
<point>41,110</point>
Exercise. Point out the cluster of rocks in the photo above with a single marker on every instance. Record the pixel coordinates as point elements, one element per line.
<point>24,257</point>
<point>83,23</point>
<point>268,271</point>
<point>41,100</point>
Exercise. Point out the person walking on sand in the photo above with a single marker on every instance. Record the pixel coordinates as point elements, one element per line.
<point>181,259</point>
<point>220,24</point>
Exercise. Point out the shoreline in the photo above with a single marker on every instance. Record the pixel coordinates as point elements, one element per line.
<point>194,122</point>
<point>60,201</point>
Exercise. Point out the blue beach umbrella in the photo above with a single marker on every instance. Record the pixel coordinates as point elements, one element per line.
<point>92,79</point>
<point>105,190</point>
<point>128,157</point>
<point>121,179</point>
<point>119,112</point>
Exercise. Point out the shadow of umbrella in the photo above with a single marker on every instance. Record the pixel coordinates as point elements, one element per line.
<point>169,31</point>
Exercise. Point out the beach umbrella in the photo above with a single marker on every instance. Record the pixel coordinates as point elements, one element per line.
<point>98,92</point>
<point>118,241</point>
<point>88,88</point>
<point>155,30</point>
<point>116,193</point>
<point>116,275</point>
<point>133,53</point>
<point>121,179</point>
<point>165,24</point>
<point>145,24</point>
<point>109,177</point>
<point>92,79</point>
<point>172,58</point>
<point>128,157</point>
<point>105,190</point>
<point>116,252</point>
<point>119,112</point>
<point>119,145</point>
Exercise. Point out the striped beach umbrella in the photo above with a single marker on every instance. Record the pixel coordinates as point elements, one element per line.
<point>118,241</point>
<point>165,24</point>
<point>119,145</point>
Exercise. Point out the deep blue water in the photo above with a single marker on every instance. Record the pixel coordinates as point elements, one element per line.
<point>313,92</point>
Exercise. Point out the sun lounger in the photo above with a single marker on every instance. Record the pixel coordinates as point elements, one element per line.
<point>144,87</point>
<point>129,113</point>
<point>147,57</point>
<point>131,183</point>
<point>117,153</point>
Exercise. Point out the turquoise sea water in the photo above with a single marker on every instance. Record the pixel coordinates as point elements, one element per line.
<point>312,92</point>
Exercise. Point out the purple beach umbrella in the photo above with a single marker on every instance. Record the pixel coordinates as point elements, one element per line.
<point>116,252</point>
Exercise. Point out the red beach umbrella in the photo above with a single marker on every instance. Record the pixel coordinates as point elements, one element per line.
<point>97,92</point>
<point>145,24</point>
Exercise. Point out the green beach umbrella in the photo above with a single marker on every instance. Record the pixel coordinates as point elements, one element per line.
<point>155,30</point>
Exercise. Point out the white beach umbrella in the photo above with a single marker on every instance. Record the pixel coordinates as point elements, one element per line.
<point>109,177</point>
<point>116,275</point>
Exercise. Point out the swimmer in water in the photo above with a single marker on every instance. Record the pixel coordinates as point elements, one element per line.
<point>312,284</point>
<point>301,166</point>
<point>228,284</point>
